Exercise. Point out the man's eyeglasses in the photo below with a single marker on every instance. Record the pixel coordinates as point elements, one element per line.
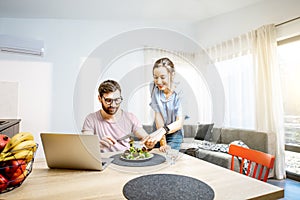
<point>109,101</point>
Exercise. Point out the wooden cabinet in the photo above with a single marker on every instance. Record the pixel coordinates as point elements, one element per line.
<point>9,127</point>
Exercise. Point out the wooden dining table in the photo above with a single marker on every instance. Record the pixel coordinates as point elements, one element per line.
<point>45,183</point>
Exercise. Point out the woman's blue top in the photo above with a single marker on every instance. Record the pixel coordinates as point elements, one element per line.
<point>169,108</point>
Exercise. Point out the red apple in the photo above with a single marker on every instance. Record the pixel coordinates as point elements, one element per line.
<point>14,168</point>
<point>3,183</point>
<point>15,180</point>
<point>4,139</point>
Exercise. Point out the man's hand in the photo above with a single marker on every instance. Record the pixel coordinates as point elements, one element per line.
<point>107,142</point>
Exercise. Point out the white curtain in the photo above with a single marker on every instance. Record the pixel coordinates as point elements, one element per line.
<point>263,105</point>
<point>233,59</point>
<point>233,48</point>
<point>269,106</point>
<point>237,80</point>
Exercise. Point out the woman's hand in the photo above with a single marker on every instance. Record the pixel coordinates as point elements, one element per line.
<point>149,144</point>
<point>164,148</point>
<point>153,138</point>
<point>156,136</point>
<point>163,144</point>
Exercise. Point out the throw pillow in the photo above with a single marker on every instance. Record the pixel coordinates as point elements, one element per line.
<point>247,162</point>
<point>204,131</point>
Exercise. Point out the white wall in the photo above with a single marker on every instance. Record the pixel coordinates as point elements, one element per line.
<point>34,80</point>
<point>224,27</point>
<point>9,99</point>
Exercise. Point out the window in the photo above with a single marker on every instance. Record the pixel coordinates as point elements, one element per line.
<point>289,62</point>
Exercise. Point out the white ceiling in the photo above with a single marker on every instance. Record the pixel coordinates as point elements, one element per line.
<point>185,10</point>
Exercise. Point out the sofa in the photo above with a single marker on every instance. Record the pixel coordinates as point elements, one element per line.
<point>211,143</point>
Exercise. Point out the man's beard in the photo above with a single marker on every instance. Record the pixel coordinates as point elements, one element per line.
<point>110,109</point>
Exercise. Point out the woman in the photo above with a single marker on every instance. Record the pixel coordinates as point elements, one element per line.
<point>166,104</point>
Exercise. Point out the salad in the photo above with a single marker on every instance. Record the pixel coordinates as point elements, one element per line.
<point>135,153</point>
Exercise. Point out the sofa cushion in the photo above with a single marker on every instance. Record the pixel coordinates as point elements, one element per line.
<point>204,132</point>
<point>203,144</point>
<point>190,130</point>
<point>217,158</point>
<point>253,139</point>
<point>220,148</point>
<point>216,135</point>
<point>191,143</point>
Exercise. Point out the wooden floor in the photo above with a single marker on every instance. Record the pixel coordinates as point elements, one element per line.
<point>291,188</point>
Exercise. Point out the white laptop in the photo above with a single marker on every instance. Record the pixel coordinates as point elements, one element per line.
<point>73,151</point>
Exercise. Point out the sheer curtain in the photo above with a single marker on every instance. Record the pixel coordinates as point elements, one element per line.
<point>269,106</point>
<point>233,60</point>
<point>250,74</point>
<point>237,78</point>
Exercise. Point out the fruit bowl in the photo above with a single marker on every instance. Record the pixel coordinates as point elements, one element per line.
<point>15,169</point>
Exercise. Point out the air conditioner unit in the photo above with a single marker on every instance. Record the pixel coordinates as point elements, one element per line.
<point>13,44</point>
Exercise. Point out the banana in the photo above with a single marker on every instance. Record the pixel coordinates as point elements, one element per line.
<point>16,139</point>
<point>28,144</point>
<point>25,145</point>
<point>24,154</point>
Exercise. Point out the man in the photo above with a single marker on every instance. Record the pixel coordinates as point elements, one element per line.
<point>111,123</point>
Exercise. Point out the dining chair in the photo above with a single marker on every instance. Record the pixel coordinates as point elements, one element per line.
<point>262,162</point>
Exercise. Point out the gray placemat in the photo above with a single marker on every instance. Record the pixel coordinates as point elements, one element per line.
<point>167,186</point>
<point>156,160</point>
